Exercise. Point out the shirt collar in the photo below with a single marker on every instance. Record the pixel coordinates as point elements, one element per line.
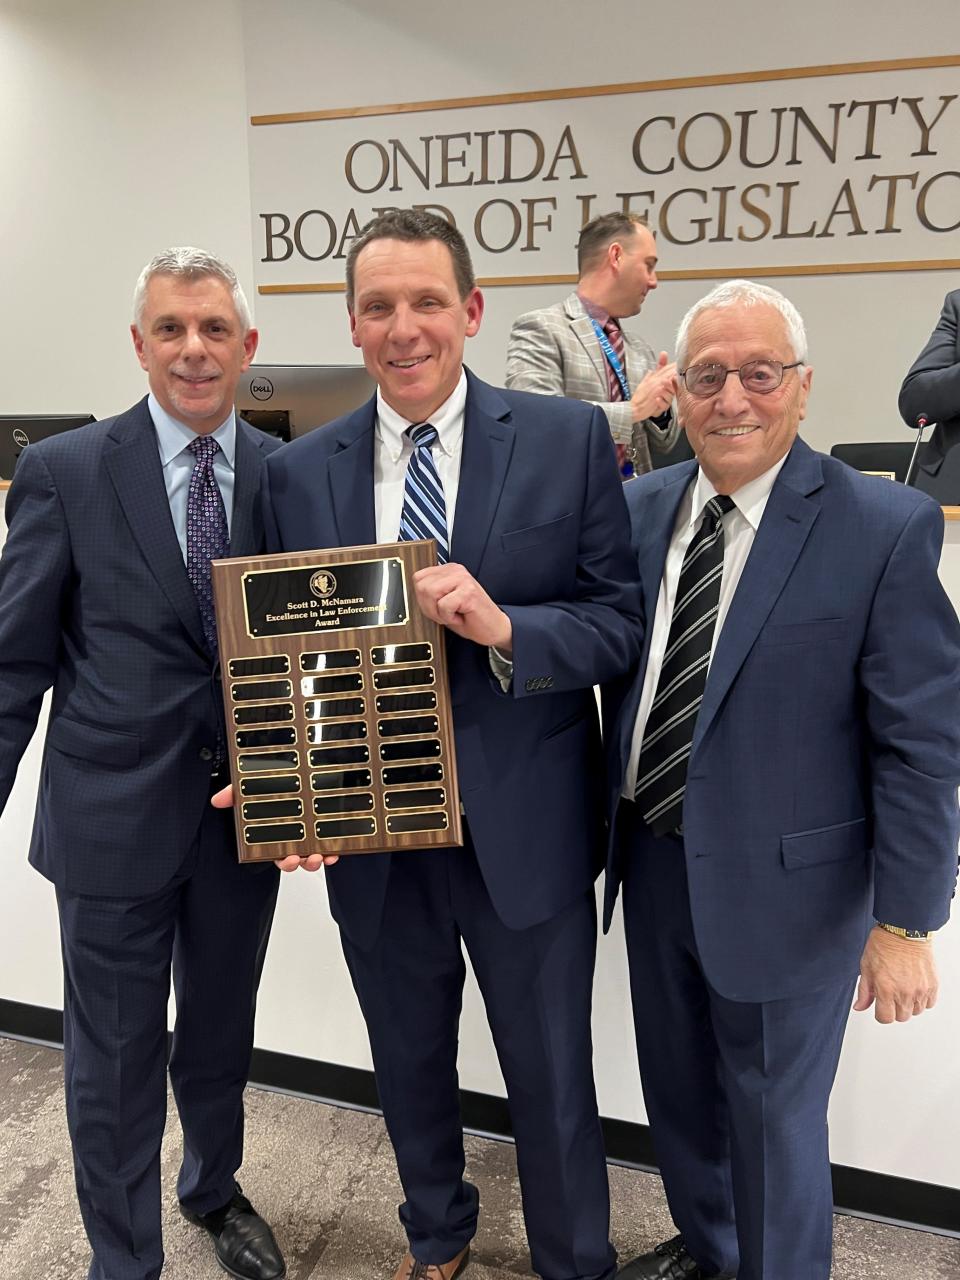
<point>174,435</point>
<point>595,311</point>
<point>750,499</point>
<point>448,420</point>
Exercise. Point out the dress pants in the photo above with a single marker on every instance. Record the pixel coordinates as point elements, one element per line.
<point>736,1092</point>
<point>536,985</point>
<point>210,924</point>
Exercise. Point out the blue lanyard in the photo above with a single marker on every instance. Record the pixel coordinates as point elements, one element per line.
<point>612,360</point>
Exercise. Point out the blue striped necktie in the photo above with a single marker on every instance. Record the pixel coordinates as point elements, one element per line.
<point>424,513</point>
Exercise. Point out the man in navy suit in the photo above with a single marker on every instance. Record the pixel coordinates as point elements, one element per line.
<point>104,597</point>
<point>932,390</point>
<point>540,602</point>
<point>783,779</point>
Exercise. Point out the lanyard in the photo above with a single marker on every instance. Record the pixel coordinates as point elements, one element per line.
<point>612,359</point>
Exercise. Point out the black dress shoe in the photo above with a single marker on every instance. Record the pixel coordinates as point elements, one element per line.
<point>243,1242</point>
<point>668,1261</point>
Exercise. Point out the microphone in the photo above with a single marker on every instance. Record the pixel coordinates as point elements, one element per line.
<point>921,422</point>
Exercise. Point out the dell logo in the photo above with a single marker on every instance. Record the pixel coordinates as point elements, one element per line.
<point>21,438</point>
<point>261,388</point>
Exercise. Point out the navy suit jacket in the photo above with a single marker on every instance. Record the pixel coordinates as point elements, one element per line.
<point>822,787</point>
<point>541,523</point>
<point>95,601</point>
<point>932,388</point>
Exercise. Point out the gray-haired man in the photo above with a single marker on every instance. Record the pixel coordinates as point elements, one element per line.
<point>104,597</point>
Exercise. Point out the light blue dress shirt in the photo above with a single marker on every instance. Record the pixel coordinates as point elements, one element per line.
<point>173,437</point>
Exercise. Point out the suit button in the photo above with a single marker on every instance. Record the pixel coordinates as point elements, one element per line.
<point>206,755</point>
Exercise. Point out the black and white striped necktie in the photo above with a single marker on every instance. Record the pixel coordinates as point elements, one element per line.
<point>668,734</point>
<point>424,513</point>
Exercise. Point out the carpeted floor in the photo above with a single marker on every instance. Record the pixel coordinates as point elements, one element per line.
<point>325,1179</point>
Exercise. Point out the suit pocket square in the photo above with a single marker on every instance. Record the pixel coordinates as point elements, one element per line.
<point>521,539</point>
<point>824,844</point>
<point>91,742</point>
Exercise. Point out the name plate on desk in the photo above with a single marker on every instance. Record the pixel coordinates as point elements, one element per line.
<point>337,703</point>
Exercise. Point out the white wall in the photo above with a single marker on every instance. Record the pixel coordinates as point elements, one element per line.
<point>123,129</point>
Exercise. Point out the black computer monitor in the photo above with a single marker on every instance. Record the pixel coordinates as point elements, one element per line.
<point>18,431</point>
<point>877,458</point>
<point>288,400</point>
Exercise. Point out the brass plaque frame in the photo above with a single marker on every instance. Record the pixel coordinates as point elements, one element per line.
<point>360,800</point>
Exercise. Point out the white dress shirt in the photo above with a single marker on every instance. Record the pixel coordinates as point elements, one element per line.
<point>391,455</point>
<point>739,529</point>
<point>392,450</point>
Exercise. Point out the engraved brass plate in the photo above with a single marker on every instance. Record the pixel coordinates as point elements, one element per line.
<point>266,738</point>
<point>336,731</point>
<point>325,597</point>
<point>404,725</point>
<point>261,690</point>
<point>353,802</point>
<point>324,756</point>
<point>403,774</point>
<point>388,702</point>
<point>418,798</point>
<point>273,713</point>
<point>270,786</point>
<point>276,664</point>
<point>398,823</point>
<point>311,685</point>
<point>267,761</point>
<point>390,654</point>
<point>328,708</point>
<point>402,677</point>
<point>331,661</point>
<point>275,833</point>
<point>345,828</point>
<point>341,779</point>
<point>422,749</point>
<point>257,810</point>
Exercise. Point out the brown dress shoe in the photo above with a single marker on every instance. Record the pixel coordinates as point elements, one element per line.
<point>411,1269</point>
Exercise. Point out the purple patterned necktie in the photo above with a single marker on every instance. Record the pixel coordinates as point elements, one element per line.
<point>208,537</point>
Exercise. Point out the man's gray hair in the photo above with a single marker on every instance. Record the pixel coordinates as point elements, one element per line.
<point>734,293</point>
<point>191,264</point>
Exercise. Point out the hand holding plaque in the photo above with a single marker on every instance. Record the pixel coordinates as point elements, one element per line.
<point>337,703</point>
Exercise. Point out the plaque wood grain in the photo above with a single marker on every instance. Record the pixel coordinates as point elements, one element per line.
<point>332,720</point>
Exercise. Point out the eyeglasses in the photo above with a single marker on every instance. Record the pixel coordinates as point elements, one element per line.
<point>759,377</point>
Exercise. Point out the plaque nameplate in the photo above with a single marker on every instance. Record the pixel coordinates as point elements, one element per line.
<point>337,702</point>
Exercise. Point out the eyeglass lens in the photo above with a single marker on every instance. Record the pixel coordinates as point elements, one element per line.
<point>758,376</point>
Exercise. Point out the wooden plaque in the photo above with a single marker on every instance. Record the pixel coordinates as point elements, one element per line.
<point>337,703</point>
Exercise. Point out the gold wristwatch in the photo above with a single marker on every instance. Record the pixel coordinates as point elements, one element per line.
<point>915,935</point>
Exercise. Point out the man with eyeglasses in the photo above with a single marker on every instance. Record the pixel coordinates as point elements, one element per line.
<point>783,791</point>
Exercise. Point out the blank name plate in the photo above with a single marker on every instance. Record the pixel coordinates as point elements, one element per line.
<point>337,703</point>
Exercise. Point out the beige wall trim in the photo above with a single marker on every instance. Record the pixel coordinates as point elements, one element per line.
<point>609,90</point>
<point>695,273</point>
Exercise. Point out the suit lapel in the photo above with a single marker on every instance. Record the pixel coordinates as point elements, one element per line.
<point>790,514</point>
<point>582,326</point>
<point>245,521</point>
<point>133,463</point>
<point>651,541</point>
<point>350,474</point>
<point>488,439</point>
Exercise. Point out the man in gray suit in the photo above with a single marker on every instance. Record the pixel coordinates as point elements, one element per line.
<point>577,348</point>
